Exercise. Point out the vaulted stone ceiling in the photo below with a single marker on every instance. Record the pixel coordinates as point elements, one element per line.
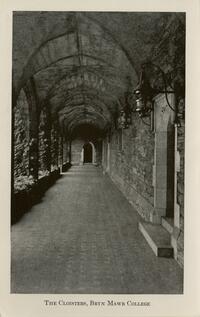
<point>82,63</point>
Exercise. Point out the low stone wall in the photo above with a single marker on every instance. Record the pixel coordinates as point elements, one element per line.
<point>66,166</point>
<point>76,148</point>
<point>23,200</point>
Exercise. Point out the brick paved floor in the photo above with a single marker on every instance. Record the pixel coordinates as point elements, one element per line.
<point>83,238</point>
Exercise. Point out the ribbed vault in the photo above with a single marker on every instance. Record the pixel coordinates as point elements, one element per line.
<point>82,63</point>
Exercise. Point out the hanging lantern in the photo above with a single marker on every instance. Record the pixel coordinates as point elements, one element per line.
<point>143,94</point>
<point>123,120</point>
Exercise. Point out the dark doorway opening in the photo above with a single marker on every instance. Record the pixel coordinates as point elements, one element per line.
<point>87,148</point>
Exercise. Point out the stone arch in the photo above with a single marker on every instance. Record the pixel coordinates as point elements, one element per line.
<point>93,158</point>
<point>36,61</point>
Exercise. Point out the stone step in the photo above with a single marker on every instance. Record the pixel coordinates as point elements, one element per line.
<point>158,239</point>
<point>168,224</point>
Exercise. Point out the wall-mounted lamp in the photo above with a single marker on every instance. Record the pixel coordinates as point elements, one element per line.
<point>145,93</point>
<point>124,119</point>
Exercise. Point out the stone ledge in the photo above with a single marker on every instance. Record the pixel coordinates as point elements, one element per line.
<point>168,224</point>
<point>158,239</point>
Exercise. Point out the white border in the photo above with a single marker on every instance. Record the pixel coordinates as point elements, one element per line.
<point>161,305</point>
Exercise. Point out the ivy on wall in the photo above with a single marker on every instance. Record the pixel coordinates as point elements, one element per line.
<point>21,137</point>
<point>43,145</point>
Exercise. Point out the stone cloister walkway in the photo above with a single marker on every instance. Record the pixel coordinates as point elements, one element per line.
<point>83,238</point>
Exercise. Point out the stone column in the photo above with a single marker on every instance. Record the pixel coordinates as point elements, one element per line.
<point>177,170</point>
<point>163,169</point>
<point>102,155</point>
<point>70,151</point>
<point>93,153</point>
<point>65,150</point>
<point>34,124</point>
<point>60,151</point>
<point>44,140</point>
<point>82,157</point>
<point>54,145</point>
<point>105,151</point>
<point>48,139</point>
<point>108,156</point>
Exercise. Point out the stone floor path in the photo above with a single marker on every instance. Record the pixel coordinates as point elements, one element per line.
<point>83,238</point>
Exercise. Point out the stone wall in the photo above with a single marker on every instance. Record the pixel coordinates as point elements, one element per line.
<point>66,150</point>
<point>129,158</point>
<point>76,149</point>
<point>98,146</point>
<point>131,164</point>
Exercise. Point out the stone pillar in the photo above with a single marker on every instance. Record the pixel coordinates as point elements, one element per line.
<point>54,145</point>
<point>108,156</point>
<point>34,124</point>
<point>44,141</point>
<point>103,154</point>
<point>82,157</point>
<point>163,169</point>
<point>70,151</point>
<point>33,156</point>
<point>20,142</point>
<point>60,151</point>
<point>177,170</point>
<point>48,139</point>
<point>93,153</point>
<point>176,230</point>
<point>65,150</point>
<point>177,238</point>
<point>105,151</point>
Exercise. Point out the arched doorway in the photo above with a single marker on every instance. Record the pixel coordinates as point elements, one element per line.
<point>87,153</point>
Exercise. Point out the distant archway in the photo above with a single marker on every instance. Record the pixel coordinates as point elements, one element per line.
<point>87,153</point>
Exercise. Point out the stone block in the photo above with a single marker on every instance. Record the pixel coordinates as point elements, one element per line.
<point>160,198</point>
<point>161,178</point>
<point>161,157</point>
<point>158,239</point>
